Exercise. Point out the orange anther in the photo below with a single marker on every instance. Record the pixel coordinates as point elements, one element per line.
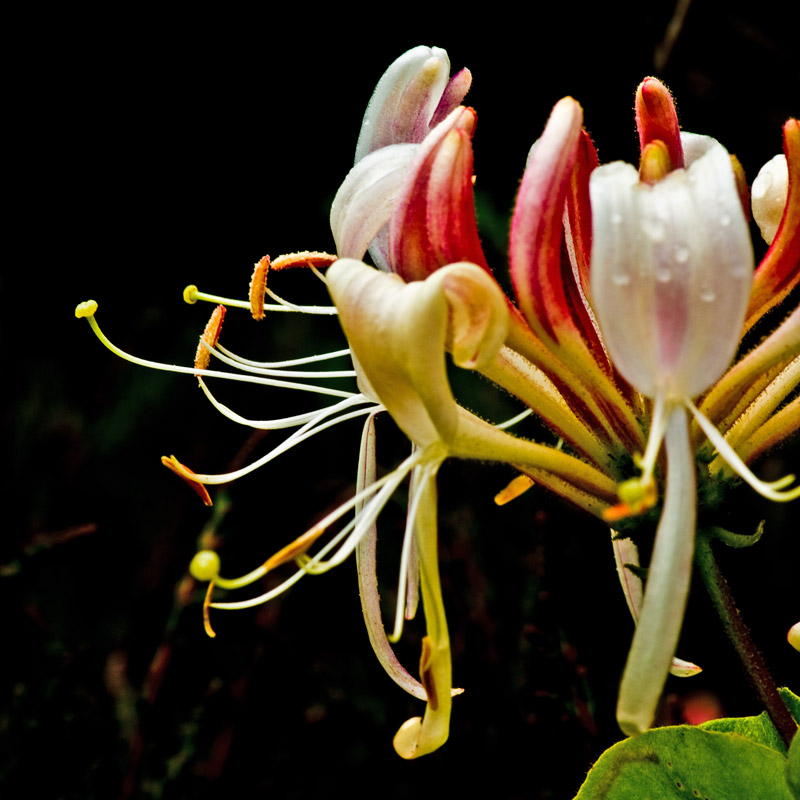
<point>296,548</point>
<point>307,258</point>
<point>206,615</point>
<point>518,486</point>
<point>172,464</point>
<point>209,338</point>
<point>258,284</point>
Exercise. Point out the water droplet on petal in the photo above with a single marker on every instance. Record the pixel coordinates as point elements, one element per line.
<point>620,279</point>
<point>663,275</point>
<point>681,254</point>
<point>708,295</point>
<point>654,229</point>
<point>725,220</point>
<point>616,218</point>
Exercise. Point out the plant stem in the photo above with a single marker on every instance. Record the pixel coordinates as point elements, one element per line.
<point>754,664</point>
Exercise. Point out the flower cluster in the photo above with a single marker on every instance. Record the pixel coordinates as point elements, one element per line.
<point>633,290</point>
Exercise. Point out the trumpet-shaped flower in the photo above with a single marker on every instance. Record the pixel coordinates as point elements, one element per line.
<point>632,291</point>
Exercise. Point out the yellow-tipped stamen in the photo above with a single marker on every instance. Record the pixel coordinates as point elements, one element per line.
<point>88,309</point>
<point>518,486</point>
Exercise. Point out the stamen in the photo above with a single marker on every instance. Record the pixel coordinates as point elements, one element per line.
<point>292,362</point>
<point>88,309</point>
<point>770,490</point>
<point>514,420</point>
<point>209,338</point>
<point>206,615</point>
<point>382,490</point>
<point>172,464</point>
<point>306,432</point>
<point>515,488</point>
<point>239,364</point>
<point>258,285</point>
<point>285,422</point>
<point>306,258</point>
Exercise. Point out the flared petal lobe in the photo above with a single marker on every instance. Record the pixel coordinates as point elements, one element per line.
<point>399,333</point>
<point>672,267</point>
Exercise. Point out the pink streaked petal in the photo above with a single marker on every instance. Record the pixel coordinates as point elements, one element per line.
<point>578,237</point>
<point>656,118</point>
<point>536,227</point>
<point>404,100</point>
<point>779,272</point>
<point>364,202</point>
<point>454,93</point>
<point>433,221</point>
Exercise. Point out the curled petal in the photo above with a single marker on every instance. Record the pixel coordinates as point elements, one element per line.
<point>398,333</point>
<point>363,204</point>
<point>410,94</point>
<point>671,272</point>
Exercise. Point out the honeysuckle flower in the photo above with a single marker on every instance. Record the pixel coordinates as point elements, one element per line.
<point>632,289</point>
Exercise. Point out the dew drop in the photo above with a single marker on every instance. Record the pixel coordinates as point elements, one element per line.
<point>616,218</point>
<point>708,295</point>
<point>681,254</point>
<point>725,220</point>
<point>663,275</point>
<point>620,279</point>
<point>654,229</point>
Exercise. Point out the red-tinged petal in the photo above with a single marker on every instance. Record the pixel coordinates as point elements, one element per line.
<point>656,118</point>
<point>779,272</point>
<point>454,93</point>
<point>433,222</point>
<point>536,231</point>
<point>578,236</point>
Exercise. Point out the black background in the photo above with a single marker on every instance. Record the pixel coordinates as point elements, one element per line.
<point>153,148</point>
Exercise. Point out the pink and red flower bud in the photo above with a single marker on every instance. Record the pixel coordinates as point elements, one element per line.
<point>656,118</point>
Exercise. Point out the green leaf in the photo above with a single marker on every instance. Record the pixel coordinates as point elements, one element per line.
<point>687,762</point>
<point>793,768</point>
<point>757,729</point>
<point>792,702</point>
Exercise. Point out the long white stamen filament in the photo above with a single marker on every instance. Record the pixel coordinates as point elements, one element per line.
<point>417,486</point>
<point>342,373</point>
<point>382,490</point>
<point>658,426</point>
<point>514,420</point>
<point>292,362</point>
<point>210,373</point>
<point>771,489</point>
<point>306,432</point>
<point>284,422</point>
<point>281,304</point>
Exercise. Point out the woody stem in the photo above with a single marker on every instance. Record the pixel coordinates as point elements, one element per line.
<point>753,662</point>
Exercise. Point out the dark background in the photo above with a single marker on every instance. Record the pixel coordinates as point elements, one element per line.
<point>156,148</point>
